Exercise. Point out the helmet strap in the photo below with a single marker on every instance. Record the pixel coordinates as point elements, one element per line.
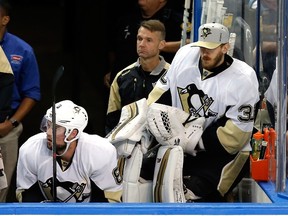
<point>68,142</point>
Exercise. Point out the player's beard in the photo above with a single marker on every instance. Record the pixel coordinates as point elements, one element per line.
<point>209,64</point>
<point>59,148</point>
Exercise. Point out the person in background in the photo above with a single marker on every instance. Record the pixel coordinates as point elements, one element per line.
<point>122,51</point>
<point>268,40</point>
<point>205,81</point>
<point>137,80</point>
<point>6,90</point>
<point>6,86</point>
<point>86,169</point>
<point>26,92</point>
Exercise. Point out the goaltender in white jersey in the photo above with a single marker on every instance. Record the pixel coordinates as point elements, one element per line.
<point>86,164</point>
<point>204,81</point>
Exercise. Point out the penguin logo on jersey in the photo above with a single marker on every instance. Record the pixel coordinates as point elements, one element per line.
<point>195,101</point>
<point>205,32</point>
<point>66,191</point>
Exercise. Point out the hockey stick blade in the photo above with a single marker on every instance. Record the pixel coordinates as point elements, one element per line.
<point>56,78</point>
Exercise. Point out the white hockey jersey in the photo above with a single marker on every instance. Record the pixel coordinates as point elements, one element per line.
<point>94,159</point>
<point>232,93</point>
<point>226,97</point>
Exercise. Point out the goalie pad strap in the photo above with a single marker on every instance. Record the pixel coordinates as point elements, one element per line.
<point>124,147</point>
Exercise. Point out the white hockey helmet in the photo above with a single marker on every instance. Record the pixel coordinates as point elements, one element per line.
<point>70,116</point>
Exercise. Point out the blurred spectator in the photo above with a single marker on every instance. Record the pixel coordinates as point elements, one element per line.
<point>26,92</point>
<point>122,38</point>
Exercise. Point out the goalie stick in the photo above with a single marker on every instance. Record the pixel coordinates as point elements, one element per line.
<point>56,78</point>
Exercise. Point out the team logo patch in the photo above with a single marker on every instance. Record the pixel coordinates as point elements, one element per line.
<point>16,59</point>
<point>205,32</point>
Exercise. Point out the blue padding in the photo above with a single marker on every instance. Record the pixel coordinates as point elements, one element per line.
<point>270,190</point>
<point>145,209</point>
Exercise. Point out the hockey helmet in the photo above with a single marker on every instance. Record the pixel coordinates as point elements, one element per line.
<point>70,116</point>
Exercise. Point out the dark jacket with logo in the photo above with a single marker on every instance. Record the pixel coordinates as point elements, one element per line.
<point>131,84</point>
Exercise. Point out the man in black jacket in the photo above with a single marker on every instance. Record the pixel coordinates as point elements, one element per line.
<point>138,79</point>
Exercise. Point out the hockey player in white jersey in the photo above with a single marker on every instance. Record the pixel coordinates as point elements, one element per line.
<point>86,164</point>
<point>205,81</point>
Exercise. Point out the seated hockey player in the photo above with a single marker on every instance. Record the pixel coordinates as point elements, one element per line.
<point>86,168</point>
<point>205,81</point>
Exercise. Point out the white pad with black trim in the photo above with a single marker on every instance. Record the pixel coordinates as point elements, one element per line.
<point>132,121</point>
<point>167,182</point>
<point>173,126</point>
<point>132,139</point>
<point>135,189</point>
<point>125,147</point>
<point>131,127</point>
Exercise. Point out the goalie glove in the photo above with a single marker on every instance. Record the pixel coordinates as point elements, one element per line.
<point>173,126</point>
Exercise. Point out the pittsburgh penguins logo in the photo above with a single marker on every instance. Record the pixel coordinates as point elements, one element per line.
<point>76,109</point>
<point>195,101</point>
<point>205,32</point>
<point>66,191</point>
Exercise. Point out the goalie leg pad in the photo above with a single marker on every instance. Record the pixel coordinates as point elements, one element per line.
<point>135,190</point>
<point>168,182</point>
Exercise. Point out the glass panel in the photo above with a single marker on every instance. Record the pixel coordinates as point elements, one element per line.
<point>265,62</point>
<point>285,72</point>
<point>282,98</point>
<point>239,19</point>
<point>253,38</point>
